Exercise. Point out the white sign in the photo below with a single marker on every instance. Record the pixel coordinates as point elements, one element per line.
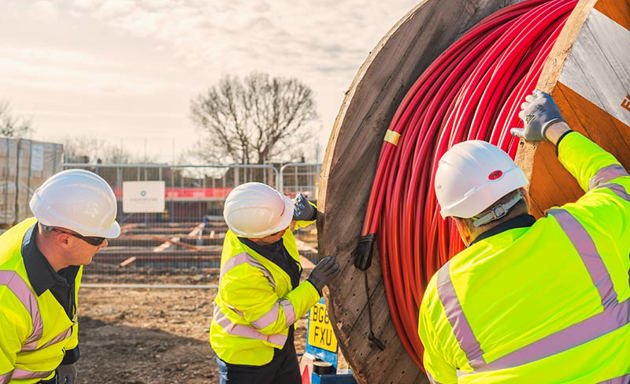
<point>37,157</point>
<point>143,196</point>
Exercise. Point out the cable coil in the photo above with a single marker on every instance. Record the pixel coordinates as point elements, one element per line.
<point>473,90</point>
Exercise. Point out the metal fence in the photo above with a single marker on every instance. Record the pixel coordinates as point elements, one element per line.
<point>182,243</point>
<point>299,177</point>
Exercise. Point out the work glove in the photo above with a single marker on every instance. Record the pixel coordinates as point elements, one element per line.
<point>66,374</point>
<point>303,210</point>
<point>538,112</point>
<point>324,271</point>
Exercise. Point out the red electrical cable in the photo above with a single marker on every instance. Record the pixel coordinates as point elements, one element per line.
<point>471,91</point>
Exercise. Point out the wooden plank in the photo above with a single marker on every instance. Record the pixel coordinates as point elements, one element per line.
<point>166,243</point>
<point>558,54</point>
<point>588,76</point>
<point>618,10</point>
<point>127,262</point>
<point>597,65</point>
<point>197,230</point>
<point>349,166</point>
<point>589,119</point>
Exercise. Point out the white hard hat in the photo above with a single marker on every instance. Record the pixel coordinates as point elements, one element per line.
<point>78,200</point>
<point>472,175</point>
<point>256,210</point>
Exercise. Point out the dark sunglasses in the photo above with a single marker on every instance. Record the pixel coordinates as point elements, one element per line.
<point>92,240</point>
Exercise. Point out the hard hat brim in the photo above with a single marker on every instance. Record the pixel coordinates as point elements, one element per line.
<point>482,198</point>
<point>113,231</point>
<point>285,220</point>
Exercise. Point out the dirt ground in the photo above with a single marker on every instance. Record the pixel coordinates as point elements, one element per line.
<point>152,336</point>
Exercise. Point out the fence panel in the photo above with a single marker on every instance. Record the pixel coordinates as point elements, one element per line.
<point>182,243</point>
<point>300,177</point>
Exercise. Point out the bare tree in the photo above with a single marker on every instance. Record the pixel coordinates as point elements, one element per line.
<point>254,120</point>
<point>88,149</point>
<point>115,154</point>
<point>81,149</point>
<point>11,126</point>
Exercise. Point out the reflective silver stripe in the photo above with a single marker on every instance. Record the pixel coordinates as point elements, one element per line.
<point>605,322</point>
<point>606,174</point>
<point>289,311</point>
<point>271,316</point>
<point>5,378</point>
<point>20,289</point>
<point>455,315</point>
<point>33,346</point>
<point>22,374</point>
<point>245,331</point>
<point>233,262</point>
<point>585,247</point>
<point>614,315</point>
<point>625,379</point>
<point>618,189</point>
<point>244,258</point>
<point>62,336</point>
<point>268,318</point>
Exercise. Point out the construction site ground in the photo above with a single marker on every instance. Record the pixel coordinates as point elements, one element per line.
<point>150,335</point>
<point>138,336</point>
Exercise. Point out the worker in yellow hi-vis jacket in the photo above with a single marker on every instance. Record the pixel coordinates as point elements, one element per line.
<point>531,301</point>
<point>260,295</point>
<point>41,264</point>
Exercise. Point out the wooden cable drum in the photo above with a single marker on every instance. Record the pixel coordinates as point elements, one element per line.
<point>588,74</point>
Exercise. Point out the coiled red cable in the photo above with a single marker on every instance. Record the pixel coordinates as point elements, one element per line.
<point>471,91</point>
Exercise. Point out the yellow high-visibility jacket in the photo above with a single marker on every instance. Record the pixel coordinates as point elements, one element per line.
<point>255,304</point>
<point>35,331</point>
<point>540,304</point>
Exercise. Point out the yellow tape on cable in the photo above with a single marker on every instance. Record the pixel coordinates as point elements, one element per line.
<point>392,137</point>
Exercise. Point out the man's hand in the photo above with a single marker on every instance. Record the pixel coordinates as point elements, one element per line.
<point>324,271</point>
<point>538,113</point>
<point>66,374</point>
<point>303,210</point>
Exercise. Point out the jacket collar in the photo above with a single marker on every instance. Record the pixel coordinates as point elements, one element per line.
<point>520,221</point>
<point>40,273</point>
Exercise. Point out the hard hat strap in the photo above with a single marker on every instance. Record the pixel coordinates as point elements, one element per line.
<point>498,211</point>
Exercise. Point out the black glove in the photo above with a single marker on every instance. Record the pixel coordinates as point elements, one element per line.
<point>538,112</point>
<point>324,271</point>
<point>303,210</point>
<point>66,374</point>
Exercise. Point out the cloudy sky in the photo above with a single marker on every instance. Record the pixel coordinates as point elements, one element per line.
<point>125,70</point>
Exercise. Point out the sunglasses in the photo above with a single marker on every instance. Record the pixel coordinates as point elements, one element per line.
<point>92,240</point>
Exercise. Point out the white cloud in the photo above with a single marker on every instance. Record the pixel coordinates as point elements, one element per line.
<point>44,11</point>
<point>281,32</point>
<point>148,55</point>
<point>72,71</point>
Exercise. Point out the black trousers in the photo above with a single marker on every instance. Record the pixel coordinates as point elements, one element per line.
<point>283,369</point>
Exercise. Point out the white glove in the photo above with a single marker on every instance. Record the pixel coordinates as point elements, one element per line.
<point>538,112</point>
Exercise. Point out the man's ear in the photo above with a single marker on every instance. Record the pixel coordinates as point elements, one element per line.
<point>62,239</point>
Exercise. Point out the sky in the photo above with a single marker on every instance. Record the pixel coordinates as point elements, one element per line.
<point>124,71</point>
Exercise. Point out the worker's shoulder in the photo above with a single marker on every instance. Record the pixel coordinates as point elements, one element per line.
<point>11,240</point>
